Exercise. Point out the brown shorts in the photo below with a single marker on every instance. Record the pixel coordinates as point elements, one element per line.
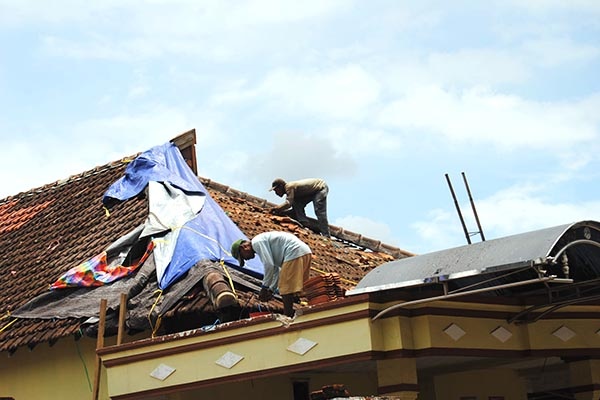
<point>293,274</point>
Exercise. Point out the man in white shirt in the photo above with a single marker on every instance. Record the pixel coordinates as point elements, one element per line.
<point>298,194</point>
<point>286,260</point>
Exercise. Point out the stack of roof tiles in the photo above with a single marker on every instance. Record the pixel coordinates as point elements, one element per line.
<point>48,230</point>
<point>323,288</point>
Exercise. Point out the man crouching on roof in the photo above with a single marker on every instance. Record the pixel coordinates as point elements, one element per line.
<point>286,260</point>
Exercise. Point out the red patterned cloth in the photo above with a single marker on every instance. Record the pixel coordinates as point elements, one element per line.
<point>97,272</point>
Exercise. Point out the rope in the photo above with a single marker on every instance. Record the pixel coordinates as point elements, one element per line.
<point>341,279</point>
<point>158,320</point>
<point>5,316</point>
<point>206,237</point>
<point>228,276</point>
<point>7,325</point>
<point>106,212</point>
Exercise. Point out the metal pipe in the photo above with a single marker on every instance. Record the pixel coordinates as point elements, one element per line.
<point>473,207</point>
<point>462,221</point>
<point>564,304</point>
<point>444,297</point>
<point>573,243</point>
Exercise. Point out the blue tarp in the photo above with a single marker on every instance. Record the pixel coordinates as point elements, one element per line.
<point>207,236</point>
<point>161,164</point>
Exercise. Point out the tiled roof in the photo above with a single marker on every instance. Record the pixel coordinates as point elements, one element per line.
<point>48,230</point>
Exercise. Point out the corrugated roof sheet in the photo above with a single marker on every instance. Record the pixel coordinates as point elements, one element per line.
<point>492,256</point>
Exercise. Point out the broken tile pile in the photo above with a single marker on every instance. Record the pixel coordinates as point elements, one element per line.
<point>323,288</point>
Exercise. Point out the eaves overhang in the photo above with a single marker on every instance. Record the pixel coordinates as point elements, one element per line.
<point>246,349</point>
<point>339,337</point>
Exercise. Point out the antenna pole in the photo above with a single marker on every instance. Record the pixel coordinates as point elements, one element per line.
<point>473,207</point>
<point>462,221</point>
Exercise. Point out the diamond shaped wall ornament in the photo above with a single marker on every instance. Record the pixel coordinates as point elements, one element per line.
<point>229,359</point>
<point>454,331</point>
<point>564,333</point>
<point>301,346</point>
<point>501,333</point>
<point>162,372</point>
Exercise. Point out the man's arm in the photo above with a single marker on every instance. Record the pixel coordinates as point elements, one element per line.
<point>271,277</point>
<point>287,204</point>
<point>271,272</point>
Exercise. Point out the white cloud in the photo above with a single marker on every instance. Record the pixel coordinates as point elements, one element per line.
<point>442,230</point>
<point>193,16</point>
<point>344,93</point>
<point>44,156</point>
<point>100,48</point>
<point>118,133</point>
<point>367,227</point>
<point>132,30</point>
<point>487,66</point>
<point>506,121</point>
<point>358,141</point>
<point>294,155</point>
<point>517,209</point>
<point>552,52</point>
<point>522,208</point>
<point>542,6</point>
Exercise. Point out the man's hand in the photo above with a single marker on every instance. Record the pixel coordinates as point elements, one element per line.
<point>265,294</point>
<point>275,211</point>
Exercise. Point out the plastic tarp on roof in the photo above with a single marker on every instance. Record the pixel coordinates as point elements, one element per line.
<point>179,204</point>
<point>475,262</point>
<point>198,230</point>
<point>162,163</point>
<point>141,287</point>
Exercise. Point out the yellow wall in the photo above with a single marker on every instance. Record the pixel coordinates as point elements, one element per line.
<point>58,372</point>
<point>48,373</point>
<point>481,384</point>
<point>259,354</point>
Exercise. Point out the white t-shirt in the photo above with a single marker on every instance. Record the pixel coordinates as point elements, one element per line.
<point>275,248</point>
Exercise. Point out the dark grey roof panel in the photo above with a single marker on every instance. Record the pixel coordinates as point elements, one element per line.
<point>496,255</point>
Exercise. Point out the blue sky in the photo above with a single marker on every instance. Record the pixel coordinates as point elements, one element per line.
<point>380,98</point>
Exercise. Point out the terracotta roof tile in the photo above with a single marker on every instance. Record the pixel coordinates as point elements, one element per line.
<point>48,230</point>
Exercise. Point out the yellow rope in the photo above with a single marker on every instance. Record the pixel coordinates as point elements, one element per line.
<point>155,327</point>
<point>106,212</point>
<point>341,279</point>
<point>158,321</point>
<point>228,276</point>
<point>229,254</point>
<point>5,316</point>
<point>204,236</point>
<point>7,325</point>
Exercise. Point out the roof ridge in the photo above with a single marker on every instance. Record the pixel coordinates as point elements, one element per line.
<point>337,231</point>
<point>72,178</point>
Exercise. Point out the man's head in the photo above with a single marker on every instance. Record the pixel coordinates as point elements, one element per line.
<point>278,186</point>
<point>242,250</point>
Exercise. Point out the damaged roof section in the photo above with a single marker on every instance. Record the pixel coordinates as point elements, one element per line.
<point>47,231</point>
